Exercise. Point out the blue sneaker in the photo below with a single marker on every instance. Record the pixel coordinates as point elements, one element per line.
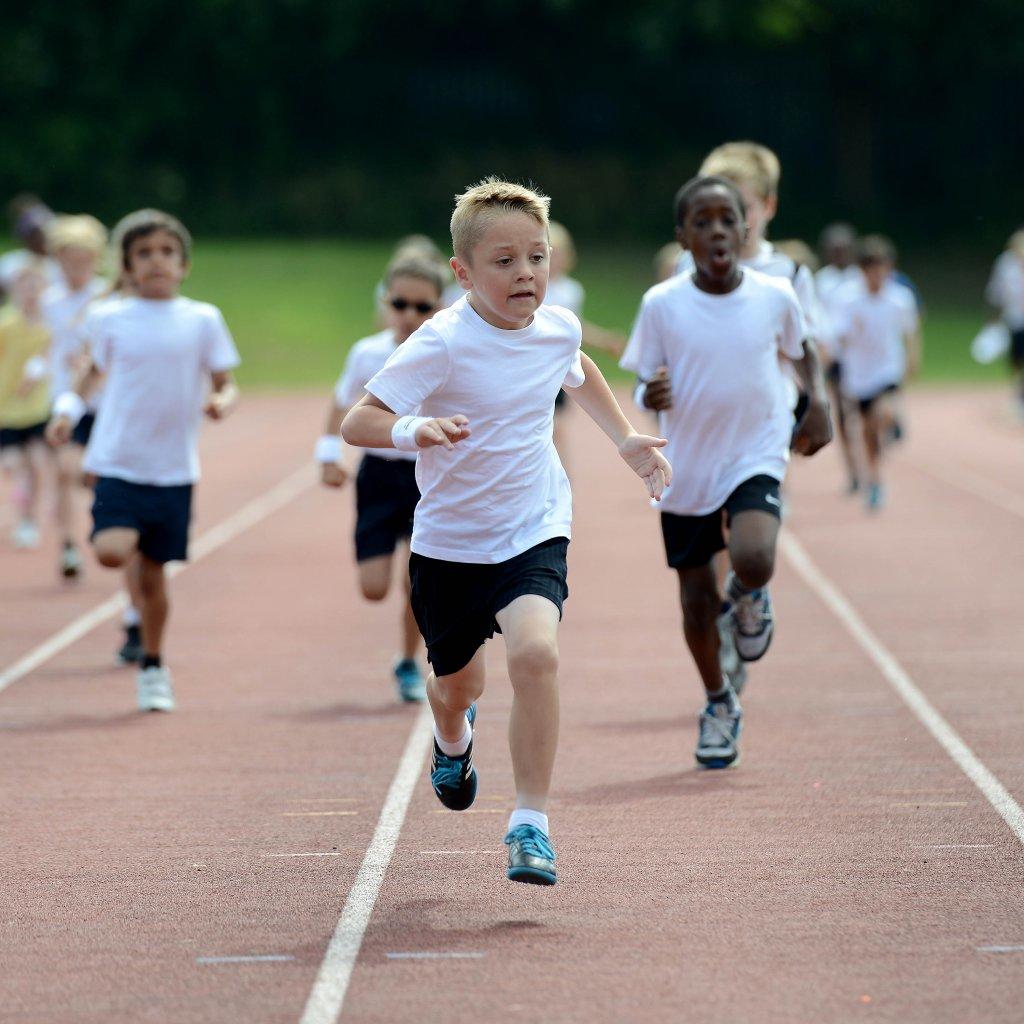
<point>720,724</point>
<point>875,498</point>
<point>531,858</point>
<point>454,778</point>
<point>411,684</point>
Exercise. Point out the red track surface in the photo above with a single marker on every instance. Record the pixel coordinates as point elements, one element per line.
<point>847,871</point>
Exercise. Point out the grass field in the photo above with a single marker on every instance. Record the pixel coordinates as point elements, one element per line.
<point>295,307</point>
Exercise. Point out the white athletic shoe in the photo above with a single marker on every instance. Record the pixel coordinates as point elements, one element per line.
<point>70,562</point>
<point>753,622</point>
<point>734,669</point>
<point>25,535</point>
<point>153,688</point>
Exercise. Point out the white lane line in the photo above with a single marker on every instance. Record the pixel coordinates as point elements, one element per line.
<point>428,955</point>
<point>269,958</point>
<point>954,846</point>
<point>328,994</point>
<point>333,853</point>
<point>318,814</point>
<point>216,537</point>
<point>1000,949</point>
<point>894,673</point>
<point>974,484</point>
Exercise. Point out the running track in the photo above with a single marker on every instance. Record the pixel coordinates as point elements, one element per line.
<point>848,870</point>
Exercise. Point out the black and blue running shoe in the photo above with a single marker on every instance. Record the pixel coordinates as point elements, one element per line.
<point>454,778</point>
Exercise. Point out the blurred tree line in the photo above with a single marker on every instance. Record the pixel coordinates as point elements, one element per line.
<point>365,116</point>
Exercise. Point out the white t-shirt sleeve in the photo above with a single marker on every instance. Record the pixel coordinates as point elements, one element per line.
<point>646,342</point>
<point>794,328</point>
<point>349,389</point>
<point>575,376</point>
<point>221,353</point>
<point>417,369</point>
<point>97,340</point>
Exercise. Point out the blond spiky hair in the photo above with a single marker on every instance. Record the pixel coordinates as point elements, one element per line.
<point>745,163</point>
<point>479,202</point>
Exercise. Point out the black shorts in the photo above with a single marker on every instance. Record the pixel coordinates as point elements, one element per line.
<point>692,541</point>
<point>560,400</point>
<point>83,429</point>
<point>160,514</point>
<point>386,496</point>
<point>834,374</point>
<point>866,404</point>
<point>19,437</point>
<point>455,603</point>
<point>1017,349</point>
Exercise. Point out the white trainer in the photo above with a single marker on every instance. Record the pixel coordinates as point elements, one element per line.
<point>25,535</point>
<point>753,621</point>
<point>70,562</point>
<point>734,669</point>
<point>153,689</point>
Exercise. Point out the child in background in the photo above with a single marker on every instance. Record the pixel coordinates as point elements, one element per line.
<point>77,244</point>
<point>1005,292</point>
<point>472,392</point>
<point>386,491</point>
<point>718,334</point>
<point>876,322</point>
<point>167,360</point>
<point>24,396</point>
<point>666,262</point>
<point>29,219</point>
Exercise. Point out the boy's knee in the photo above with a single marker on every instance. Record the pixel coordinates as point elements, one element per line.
<point>373,590</point>
<point>533,658</point>
<point>754,566</point>
<point>110,553</point>
<point>460,689</point>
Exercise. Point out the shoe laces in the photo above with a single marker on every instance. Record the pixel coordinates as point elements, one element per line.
<point>716,725</point>
<point>447,771</point>
<point>531,841</point>
<point>751,614</point>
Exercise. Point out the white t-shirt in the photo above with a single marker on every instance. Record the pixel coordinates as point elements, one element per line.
<point>62,310</point>
<point>830,278</point>
<point>365,359</point>
<point>12,263</point>
<point>871,331</point>
<point>730,417</point>
<point>1005,289</point>
<point>502,490</point>
<point>566,292</point>
<point>157,357</point>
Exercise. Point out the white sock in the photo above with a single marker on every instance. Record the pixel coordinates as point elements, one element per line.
<point>524,816</point>
<point>459,747</point>
<point>130,617</point>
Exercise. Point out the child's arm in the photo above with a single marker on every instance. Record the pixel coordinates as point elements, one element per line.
<point>223,395</point>
<point>371,424</point>
<point>70,407</point>
<point>815,429</point>
<point>607,341</point>
<point>914,344</point>
<point>638,451</point>
<point>331,451</point>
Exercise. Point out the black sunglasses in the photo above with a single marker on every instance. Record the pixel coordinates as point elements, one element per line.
<point>403,304</point>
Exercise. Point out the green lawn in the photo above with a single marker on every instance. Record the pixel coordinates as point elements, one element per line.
<point>296,307</point>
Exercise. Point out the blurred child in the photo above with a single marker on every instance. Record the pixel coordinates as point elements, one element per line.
<point>29,219</point>
<point>24,396</point>
<point>716,334</point>
<point>167,360</point>
<point>666,262</point>
<point>386,491</point>
<point>838,248</point>
<point>799,252</point>
<point>77,244</point>
<point>1005,292</point>
<point>876,322</point>
<point>473,393</point>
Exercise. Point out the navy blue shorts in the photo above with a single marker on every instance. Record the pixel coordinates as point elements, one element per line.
<point>19,437</point>
<point>160,514</point>
<point>455,603</point>
<point>83,429</point>
<point>386,497</point>
<point>692,541</point>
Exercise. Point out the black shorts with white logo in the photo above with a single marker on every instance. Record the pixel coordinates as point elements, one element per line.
<point>160,514</point>
<point>692,541</point>
<point>456,603</point>
<point>386,497</point>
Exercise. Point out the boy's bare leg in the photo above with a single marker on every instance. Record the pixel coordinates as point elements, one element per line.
<point>450,697</point>
<point>752,539</point>
<point>69,471</point>
<point>702,602</point>
<point>872,447</point>
<point>154,605</point>
<point>375,577</point>
<point>116,547</point>
<point>530,627</point>
<point>133,584</point>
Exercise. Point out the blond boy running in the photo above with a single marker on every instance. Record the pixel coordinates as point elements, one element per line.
<point>473,393</point>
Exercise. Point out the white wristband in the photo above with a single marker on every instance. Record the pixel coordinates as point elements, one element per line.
<point>71,406</point>
<point>328,448</point>
<point>36,369</point>
<point>403,433</point>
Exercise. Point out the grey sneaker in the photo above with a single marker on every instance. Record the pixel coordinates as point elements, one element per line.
<point>720,724</point>
<point>753,622</point>
<point>531,858</point>
<point>734,669</point>
<point>153,689</point>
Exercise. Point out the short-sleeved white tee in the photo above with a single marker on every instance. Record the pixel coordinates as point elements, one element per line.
<point>365,359</point>
<point>566,292</point>
<point>871,329</point>
<point>501,491</point>
<point>1005,289</point>
<point>63,311</point>
<point>730,418</point>
<point>12,263</point>
<point>157,357</point>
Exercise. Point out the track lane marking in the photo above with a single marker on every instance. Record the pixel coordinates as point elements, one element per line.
<point>327,997</point>
<point>972,483</point>
<point>212,540</point>
<point>898,678</point>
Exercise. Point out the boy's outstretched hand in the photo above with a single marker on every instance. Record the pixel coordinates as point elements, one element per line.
<point>642,456</point>
<point>814,431</point>
<point>443,431</point>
